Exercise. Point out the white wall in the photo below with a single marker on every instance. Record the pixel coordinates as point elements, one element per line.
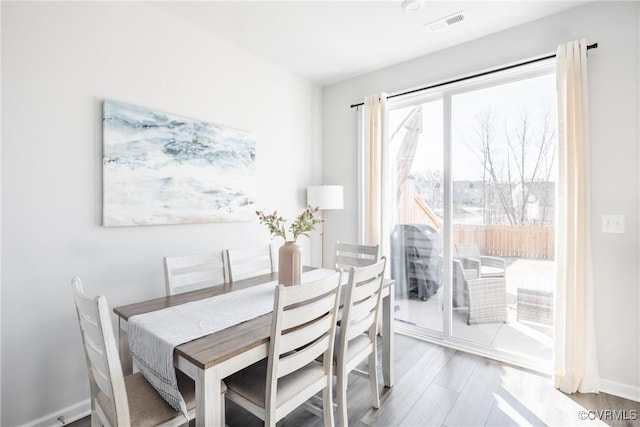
<point>59,61</point>
<point>0,225</point>
<point>613,86</point>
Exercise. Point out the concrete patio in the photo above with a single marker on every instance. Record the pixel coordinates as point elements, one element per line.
<point>530,338</point>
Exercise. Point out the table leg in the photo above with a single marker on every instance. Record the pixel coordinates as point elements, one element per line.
<point>388,346</point>
<point>209,403</point>
<point>126,361</point>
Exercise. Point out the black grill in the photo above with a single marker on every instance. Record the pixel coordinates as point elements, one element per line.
<point>416,261</point>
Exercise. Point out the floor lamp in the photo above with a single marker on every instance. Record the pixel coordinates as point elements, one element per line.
<point>325,197</point>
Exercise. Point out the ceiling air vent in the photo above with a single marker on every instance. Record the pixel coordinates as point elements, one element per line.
<point>445,22</point>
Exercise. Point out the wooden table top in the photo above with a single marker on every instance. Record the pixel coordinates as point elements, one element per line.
<point>218,346</point>
<point>126,311</point>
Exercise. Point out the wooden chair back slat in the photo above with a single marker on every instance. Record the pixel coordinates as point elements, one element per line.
<point>250,262</point>
<point>189,261</point>
<point>351,255</point>
<point>304,294</point>
<point>366,287</point>
<point>371,250</point>
<point>301,315</point>
<point>348,261</point>
<point>358,327</point>
<point>102,381</point>
<point>362,309</point>
<point>91,331</point>
<point>191,272</point>
<point>300,358</point>
<point>99,366</point>
<point>301,336</point>
<point>197,278</point>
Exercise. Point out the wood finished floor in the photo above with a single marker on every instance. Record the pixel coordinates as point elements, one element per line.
<point>437,386</point>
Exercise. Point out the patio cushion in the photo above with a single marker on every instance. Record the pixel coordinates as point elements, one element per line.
<point>492,272</point>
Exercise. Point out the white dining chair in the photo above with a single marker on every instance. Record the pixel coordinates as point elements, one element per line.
<point>302,329</point>
<point>249,262</point>
<point>350,255</point>
<point>118,400</point>
<point>191,272</point>
<point>356,338</point>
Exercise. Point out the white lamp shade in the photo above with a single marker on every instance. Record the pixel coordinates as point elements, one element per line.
<point>326,197</point>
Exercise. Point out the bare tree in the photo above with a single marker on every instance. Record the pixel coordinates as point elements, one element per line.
<point>531,151</point>
<point>510,174</point>
<point>483,146</point>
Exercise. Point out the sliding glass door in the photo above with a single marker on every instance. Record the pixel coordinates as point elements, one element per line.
<point>473,171</point>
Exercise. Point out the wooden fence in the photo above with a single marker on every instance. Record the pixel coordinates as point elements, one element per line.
<point>498,240</point>
<point>508,241</point>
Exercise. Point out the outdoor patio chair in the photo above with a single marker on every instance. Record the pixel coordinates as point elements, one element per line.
<point>485,298</point>
<point>487,266</point>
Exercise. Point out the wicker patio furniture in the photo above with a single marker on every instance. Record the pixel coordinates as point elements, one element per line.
<point>488,266</point>
<point>534,305</point>
<point>485,297</point>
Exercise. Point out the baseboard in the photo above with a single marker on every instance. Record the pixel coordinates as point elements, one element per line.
<point>621,390</point>
<point>63,416</point>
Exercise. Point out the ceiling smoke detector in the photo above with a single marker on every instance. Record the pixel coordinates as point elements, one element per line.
<point>411,5</point>
<point>445,22</point>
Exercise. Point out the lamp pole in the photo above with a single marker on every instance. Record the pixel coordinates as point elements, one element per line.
<point>325,197</point>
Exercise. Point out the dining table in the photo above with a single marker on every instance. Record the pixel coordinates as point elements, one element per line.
<point>213,357</point>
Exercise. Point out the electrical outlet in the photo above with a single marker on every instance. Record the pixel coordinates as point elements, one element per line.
<point>613,223</point>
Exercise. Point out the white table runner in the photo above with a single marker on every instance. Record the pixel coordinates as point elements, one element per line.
<point>154,336</point>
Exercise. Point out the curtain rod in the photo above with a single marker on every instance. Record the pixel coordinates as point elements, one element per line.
<point>484,73</point>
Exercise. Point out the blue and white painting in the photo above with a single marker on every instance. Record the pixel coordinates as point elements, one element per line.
<point>160,168</point>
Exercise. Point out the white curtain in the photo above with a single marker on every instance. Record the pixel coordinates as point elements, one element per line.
<point>376,182</point>
<point>575,367</point>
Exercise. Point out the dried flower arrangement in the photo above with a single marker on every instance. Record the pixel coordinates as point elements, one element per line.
<point>304,223</point>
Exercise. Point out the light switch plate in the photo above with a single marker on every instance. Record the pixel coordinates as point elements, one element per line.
<point>613,223</point>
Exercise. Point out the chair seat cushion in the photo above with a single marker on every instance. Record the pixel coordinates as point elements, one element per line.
<point>251,382</point>
<point>492,272</point>
<point>146,406</point>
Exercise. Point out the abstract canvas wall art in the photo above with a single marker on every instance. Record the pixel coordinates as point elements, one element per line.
<point>160,168</point>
